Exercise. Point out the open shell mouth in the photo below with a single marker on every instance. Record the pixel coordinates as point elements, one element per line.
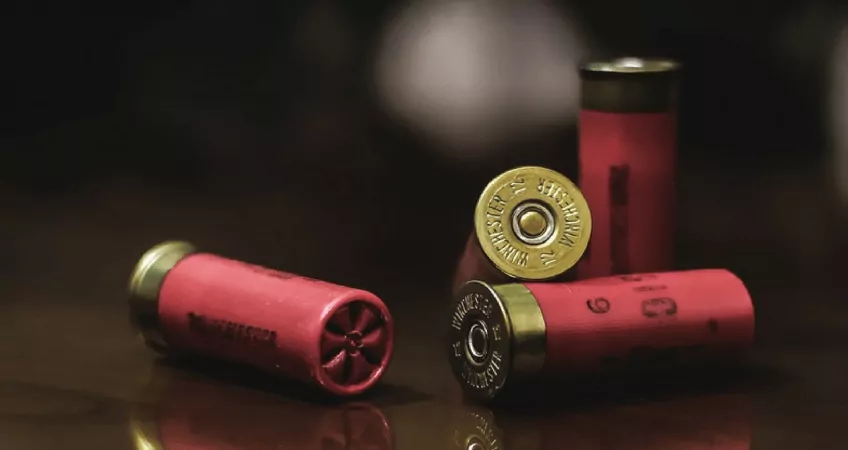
<point>354,344</point>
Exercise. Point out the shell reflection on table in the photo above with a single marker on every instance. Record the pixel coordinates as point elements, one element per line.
<point>192,413</point>
<point>719,422</point>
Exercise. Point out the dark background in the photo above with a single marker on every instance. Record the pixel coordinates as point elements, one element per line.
<point>260,131</point>
<point>159,108</point>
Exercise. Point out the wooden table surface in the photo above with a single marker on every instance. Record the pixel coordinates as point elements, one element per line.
<point>73,374</point>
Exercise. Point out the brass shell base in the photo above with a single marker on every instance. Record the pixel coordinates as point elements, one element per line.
<point>497,334</point>
<point>515,206</point>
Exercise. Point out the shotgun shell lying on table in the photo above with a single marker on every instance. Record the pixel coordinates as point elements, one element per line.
<point>337,338</point>
<point>510,334</point>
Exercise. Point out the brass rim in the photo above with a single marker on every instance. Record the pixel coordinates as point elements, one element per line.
<point>556,216</point>
<point>145,282</point>
<point>629,85</point>
<point>497,333</point>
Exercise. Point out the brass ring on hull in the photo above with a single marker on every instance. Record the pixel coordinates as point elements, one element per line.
<point>144,286</point>
<point>513,345</point>
<point>629,85</point>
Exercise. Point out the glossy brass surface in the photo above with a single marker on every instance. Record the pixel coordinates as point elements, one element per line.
<point>532,223</point>
<point>497,334</point>
<point>145,282</point>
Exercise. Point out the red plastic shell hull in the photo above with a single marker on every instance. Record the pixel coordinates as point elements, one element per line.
<point>627,172</point>
<point>592,322</point>
<point>336,337</point>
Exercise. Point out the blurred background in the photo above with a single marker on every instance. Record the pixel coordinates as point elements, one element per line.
<point>349,140</point>
<point>330,137</point>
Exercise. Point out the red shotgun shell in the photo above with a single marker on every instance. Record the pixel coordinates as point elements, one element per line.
<point>530,223</point>
<point>336,337</point>
<point>514,332</point>
<point>627,152</point>
<point>197,414</point>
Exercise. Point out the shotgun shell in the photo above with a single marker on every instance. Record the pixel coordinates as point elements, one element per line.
<point>333,336</point>
<point>627,141</point>
<point>722,422</point>
<point>509,333</point>
<point>188,413</point>
<point>530,223</point>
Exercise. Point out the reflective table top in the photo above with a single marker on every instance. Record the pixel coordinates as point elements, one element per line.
<point>74,375</point>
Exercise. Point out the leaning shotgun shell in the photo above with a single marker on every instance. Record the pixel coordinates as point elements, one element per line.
<point>508,334</point>
<point>530,223</point>
<point>336,337</point>
<point>627,152</point>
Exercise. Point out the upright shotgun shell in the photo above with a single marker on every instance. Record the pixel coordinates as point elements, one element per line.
<point>193,413</point>
<point>507,334</point>
<point>530,223</point>
<point>627,153</point>
<point>332,336</point>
